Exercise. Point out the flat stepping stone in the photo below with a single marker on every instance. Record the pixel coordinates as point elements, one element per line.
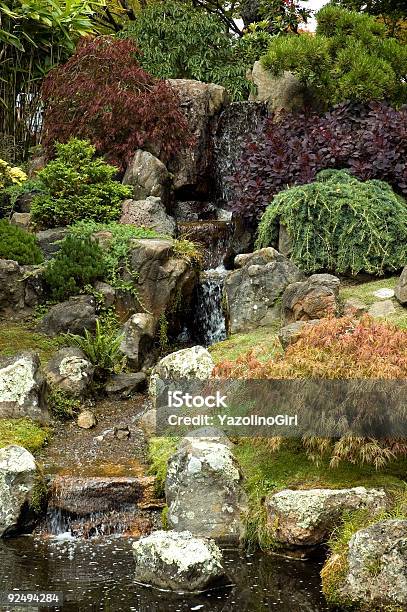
<point>382,309</point>
<point>384,294</point>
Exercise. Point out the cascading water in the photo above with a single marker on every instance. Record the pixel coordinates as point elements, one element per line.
<point>215,238</point>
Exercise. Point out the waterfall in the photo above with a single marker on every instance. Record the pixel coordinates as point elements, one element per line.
<point>237,122</point>
<point>210,326</point>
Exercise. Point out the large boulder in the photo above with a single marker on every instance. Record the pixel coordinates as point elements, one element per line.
<point>308,517</point>
<point>253,291</point>
<point>162,277</point>
<point>126,385</point>
<point>401,288</point>
<point>21,387</point>
<point>187,364</point>
<point>377,567</point>
<point>73,316</point>
<point>202,104</point>
<point>204,490</point>
<point>315,298</point>
<point>138,339</point>
<point>148,176</point>
<point>285,92</point>
<point>70,371</point>
<point>148,213</point>
<point>18,473</point>
<point>177,561</point>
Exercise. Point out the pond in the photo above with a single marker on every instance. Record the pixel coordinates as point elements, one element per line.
<point>98,575</point>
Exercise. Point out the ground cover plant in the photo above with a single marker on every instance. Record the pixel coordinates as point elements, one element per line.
<point>341,224</point>
<point>18,245</point>
<point>369,139</point>
<point>102,94</point>
<point>77,185</point>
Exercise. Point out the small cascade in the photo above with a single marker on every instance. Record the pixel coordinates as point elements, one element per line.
<point>215,238</point>
<point>99,506</point>
<point>238,121</point>
<point>210,325</point>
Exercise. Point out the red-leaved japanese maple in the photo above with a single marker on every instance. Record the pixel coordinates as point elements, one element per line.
<point>103,95</point>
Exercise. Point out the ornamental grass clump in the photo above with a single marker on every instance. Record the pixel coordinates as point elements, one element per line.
<point>341,224</point>
<point>336,349</point>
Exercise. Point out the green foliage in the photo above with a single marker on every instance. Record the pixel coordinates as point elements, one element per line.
<point>341,224</point>
<point>39,492</point>
<point>188,250</point>
<point>349,58</point>
<point>77,186</point>
<point>102,348</point>
<point>115,251</point>
<point>159,452</point>
<point>22,432</point>
<point>78,263</point>
<point>182,42</point>
<point>18,245</point>
<point>62,406</point>
<point>10,195</point>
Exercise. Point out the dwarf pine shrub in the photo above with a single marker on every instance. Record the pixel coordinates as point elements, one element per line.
<point>77,185</point>
<point>18,245</point>
<point>341,224</point>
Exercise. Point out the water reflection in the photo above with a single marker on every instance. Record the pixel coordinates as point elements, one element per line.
<point>98,575</point>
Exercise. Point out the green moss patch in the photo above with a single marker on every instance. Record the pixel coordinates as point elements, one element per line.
<point>17,337</point>
<point>263,340</point>
<point>22,432</point>
<point>159,451</point>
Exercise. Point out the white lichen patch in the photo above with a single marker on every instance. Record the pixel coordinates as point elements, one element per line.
<point>17,381</point>
<point>74,368</point>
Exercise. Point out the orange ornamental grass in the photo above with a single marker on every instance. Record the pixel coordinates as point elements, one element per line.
<point>344,348</point>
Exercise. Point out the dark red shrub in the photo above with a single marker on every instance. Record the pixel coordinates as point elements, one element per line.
<point>370,140</point>
<point>103,95</point>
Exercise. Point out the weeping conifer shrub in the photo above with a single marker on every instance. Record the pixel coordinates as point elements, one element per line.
<point>341,224</point>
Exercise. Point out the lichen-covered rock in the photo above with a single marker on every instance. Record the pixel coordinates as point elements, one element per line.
<point>189,363</point>
<point>204,490</point>
<point>22,220</point>
<point>177,561</point>
<point>21,387</point>
<point>308,517</point>
<point>401,288</point>
<point>253,291</point>
<point>148,176</point>
<point>148,213</point>
<point>201,103</point>
<point>315,298</point>
<point>377,567</point>
<point>70,371</point>
<point>289,334</point>
<point>73,316</point>
<point>86,419</point>
<point>17,479</point>
<point>138,338</point>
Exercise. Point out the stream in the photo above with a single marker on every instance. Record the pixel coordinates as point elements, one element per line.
<point>97,575</point>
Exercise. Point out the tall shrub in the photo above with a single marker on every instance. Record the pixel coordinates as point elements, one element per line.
<point>102,94</point>
<point>368,139</point>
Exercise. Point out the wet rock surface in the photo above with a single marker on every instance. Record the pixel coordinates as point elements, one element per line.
<point>18,473</point>
<point>177,561</point>
<point>204,490</point>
